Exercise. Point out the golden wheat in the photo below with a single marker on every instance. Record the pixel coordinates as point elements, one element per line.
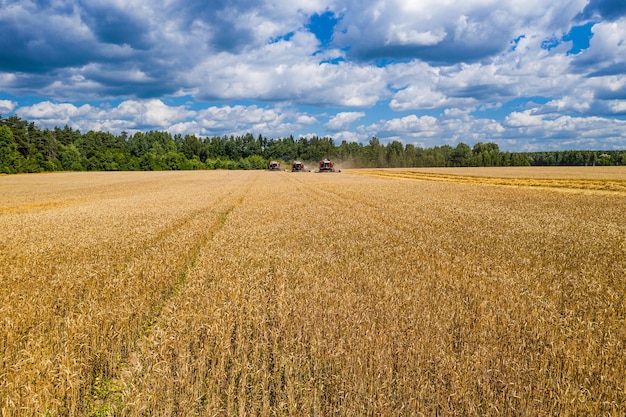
<point>258,293</point>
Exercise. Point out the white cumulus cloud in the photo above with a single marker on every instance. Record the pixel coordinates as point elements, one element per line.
<point>7,106</point>
<point>343,120</point>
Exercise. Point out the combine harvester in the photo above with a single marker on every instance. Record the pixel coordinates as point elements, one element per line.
<point>274,166</point>
<point>298,166</point>
<point>326,165</point>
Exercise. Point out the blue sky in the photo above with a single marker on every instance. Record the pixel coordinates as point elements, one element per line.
<point>531,75</point>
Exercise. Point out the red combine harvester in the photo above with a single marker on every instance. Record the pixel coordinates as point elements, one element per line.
<point>298,166</point>
<point>274,166</point>
<point>326,165</point>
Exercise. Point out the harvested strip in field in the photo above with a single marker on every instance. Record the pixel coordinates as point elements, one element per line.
<point>611,185</point>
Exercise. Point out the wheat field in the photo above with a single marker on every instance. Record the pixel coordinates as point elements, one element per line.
<point>364,293</point>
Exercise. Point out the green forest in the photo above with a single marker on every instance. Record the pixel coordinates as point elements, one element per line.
<point>24,147</point>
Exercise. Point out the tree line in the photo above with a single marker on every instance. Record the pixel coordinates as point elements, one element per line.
<point>24,147</point>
